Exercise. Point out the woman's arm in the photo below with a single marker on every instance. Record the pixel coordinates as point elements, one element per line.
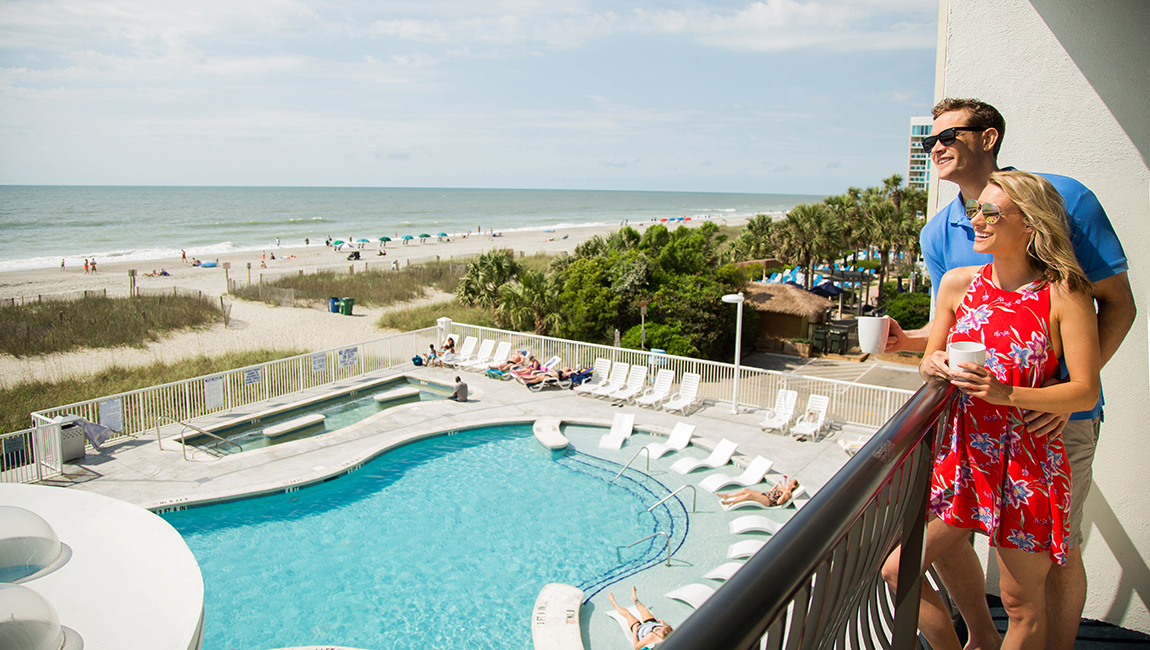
<point>950,292</point>
<point>1073,321</point>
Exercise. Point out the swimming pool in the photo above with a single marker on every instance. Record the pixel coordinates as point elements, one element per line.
<point>443,542</point>
<point>341,411</point>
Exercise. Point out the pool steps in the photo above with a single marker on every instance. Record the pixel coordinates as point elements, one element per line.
<point>547,434</point>
<point>396,394</point>
<point>555,619</point>
<point>294,425</point>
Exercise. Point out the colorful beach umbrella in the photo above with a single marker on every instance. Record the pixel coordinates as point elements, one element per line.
<point>442,234</point>
<point>337,242</point>
<point>385,238</point>
<point>424,236</point>
<point>364,241</point>
<point>408,237</point>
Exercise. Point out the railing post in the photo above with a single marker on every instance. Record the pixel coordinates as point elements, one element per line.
<point>910,569</point>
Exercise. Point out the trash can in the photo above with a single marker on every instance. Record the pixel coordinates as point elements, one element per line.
<point>335,305</point>
<point>345,306</point>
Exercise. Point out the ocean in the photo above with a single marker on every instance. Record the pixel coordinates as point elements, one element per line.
<point>42,224</point>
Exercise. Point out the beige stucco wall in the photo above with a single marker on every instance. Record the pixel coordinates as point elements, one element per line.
<point>1072,79</point>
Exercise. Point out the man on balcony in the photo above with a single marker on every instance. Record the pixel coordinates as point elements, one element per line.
<point>964,143</point>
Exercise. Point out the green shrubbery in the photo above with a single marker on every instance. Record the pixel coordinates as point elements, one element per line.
<point>367,287</point>
<point>911,310</point>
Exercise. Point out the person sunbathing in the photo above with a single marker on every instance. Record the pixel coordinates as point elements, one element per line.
<point>514,363</point>
<point>648,632</point>
<point>776,496</point>
<point>560,374</point>
<point>533,366</point>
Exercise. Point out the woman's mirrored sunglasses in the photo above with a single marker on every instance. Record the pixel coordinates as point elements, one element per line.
<point>991,212</point>
<point>947,137</point>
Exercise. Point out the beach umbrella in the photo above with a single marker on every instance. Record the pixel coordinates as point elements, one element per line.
<point>424,236</point>
<point>408,237</point>
<point>442,234</point>
<point>385,238</point>
<point>363,241</point>
<point>663,219</point>
<point>337,242</point>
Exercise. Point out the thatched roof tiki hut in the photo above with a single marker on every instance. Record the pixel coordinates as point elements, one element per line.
<point>785,311</point>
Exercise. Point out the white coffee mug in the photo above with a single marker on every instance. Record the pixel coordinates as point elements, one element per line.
<point>873,332</point>
<point>965,352</point>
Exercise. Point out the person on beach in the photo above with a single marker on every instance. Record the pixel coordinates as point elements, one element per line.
<point>460,392</point>
<point>993,475</point>
<point>86,266</point>
<point>647,632</point>
<point>61,264</point>
<point>93,266</point>
<point>183,256</point>
<point>779,495</point>
<point>964,145</point>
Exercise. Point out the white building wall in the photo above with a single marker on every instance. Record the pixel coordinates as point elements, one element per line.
<point>1073,82</point>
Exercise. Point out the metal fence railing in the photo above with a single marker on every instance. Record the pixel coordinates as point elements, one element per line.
<point>817,584</point>
<point>860,404</point>
<point>30,455</point>
<point>136,412</point>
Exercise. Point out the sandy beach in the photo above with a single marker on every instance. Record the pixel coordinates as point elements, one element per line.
<point>253,325</point>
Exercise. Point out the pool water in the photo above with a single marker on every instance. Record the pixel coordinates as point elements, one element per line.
<point>339,412</point>
<point>441,543</point>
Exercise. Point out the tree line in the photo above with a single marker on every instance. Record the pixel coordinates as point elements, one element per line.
<point>682,274</point>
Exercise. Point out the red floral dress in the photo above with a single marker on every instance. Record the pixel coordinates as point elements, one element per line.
<point>990,473</point>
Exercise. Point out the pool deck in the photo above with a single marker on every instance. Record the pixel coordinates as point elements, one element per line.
<point>138,471</point>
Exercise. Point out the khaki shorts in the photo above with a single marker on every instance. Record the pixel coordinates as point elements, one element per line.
<point>1081,439</point>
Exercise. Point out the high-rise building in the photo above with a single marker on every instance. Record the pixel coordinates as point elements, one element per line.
<point>919,165</point>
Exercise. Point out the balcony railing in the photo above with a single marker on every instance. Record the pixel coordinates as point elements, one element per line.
<point>816,584</point>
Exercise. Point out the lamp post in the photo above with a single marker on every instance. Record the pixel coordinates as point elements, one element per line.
<point>736,298</point>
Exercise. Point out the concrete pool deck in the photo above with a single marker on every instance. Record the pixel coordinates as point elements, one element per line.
<point>138,471</point>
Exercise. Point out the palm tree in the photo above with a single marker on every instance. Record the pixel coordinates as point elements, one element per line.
<point>810,234</point>
<point>532,302</point>
<point>485,276</point>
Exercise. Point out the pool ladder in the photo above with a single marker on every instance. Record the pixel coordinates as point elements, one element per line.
<point>694,499</point>
<point>655,534</point>
<point>644,449</point>
<point>183,432</point>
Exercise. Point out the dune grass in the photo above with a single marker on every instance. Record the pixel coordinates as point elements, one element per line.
<point>414,318</point>
<point>17,401</point>
<point>377,288</point>
<point>59,326</point>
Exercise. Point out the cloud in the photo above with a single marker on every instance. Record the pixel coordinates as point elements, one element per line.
<point>780,169</point>
<point>834,165</point>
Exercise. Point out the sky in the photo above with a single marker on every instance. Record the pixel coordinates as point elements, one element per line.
<point>776,96</point>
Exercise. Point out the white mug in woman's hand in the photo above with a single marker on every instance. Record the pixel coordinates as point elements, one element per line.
<point>965,352</point>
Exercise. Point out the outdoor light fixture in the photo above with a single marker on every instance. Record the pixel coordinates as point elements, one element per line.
<point>737,298</point>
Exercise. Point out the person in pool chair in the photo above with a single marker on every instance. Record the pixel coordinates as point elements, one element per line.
<point>646,633</point>
<point>776,496</point>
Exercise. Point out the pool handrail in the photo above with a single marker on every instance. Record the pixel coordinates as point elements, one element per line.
<point>183,443</point>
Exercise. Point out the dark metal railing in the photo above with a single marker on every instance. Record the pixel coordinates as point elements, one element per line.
<point>817,584</point>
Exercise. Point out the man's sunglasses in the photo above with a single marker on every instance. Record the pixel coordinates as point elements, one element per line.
<point>947,137</point>
<point>991,212</point>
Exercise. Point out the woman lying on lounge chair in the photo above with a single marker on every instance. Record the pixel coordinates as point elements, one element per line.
<point>516,362</point>
<point>776,496</point>
<point>561,374</point>
<point>648,632</point>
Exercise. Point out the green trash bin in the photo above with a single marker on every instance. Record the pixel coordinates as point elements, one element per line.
<point>346,305</point>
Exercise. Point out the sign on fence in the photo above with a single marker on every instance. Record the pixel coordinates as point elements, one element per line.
<point>318,362</point>
<point>348,357</point>
<point>214,392</point>
<point>112,414</point>
<point>251,376</point>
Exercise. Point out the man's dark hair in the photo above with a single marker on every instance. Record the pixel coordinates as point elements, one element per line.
<point>457,380</point>
<point>982,116</point>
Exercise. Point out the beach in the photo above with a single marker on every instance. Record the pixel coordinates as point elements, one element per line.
<point>255,325</point>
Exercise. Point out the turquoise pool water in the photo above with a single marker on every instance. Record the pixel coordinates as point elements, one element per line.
<point>339,412</point>
<point>442,543</point>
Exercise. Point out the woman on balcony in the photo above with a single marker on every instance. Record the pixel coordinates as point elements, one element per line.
<point>1029,307</point>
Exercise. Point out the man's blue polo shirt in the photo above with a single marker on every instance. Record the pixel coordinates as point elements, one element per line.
<point>947,242</point>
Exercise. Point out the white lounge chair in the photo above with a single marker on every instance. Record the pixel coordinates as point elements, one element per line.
<point>687,396</point>
<point>599,373</point>
<point>694,594</point>
<point>622,621</point>
<point>466,353</point>
<point>635,381</point>
<point>780,416</point>
<point>852,446</point>
<point>621,429</point>
<point>724,571</point>
<point>656,394</point>
<point>719,457</point>
<point>615,380</point>
<point>500,355</point>
<point>754,524</point>
<point>754,473</point>
<point>482,358</point>
<point>745,548</point>
<point>678,440</point>
<point>814,419</point>
<point>749,503</point>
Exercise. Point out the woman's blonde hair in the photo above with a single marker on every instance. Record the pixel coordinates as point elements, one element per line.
<point>1049,249</point>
